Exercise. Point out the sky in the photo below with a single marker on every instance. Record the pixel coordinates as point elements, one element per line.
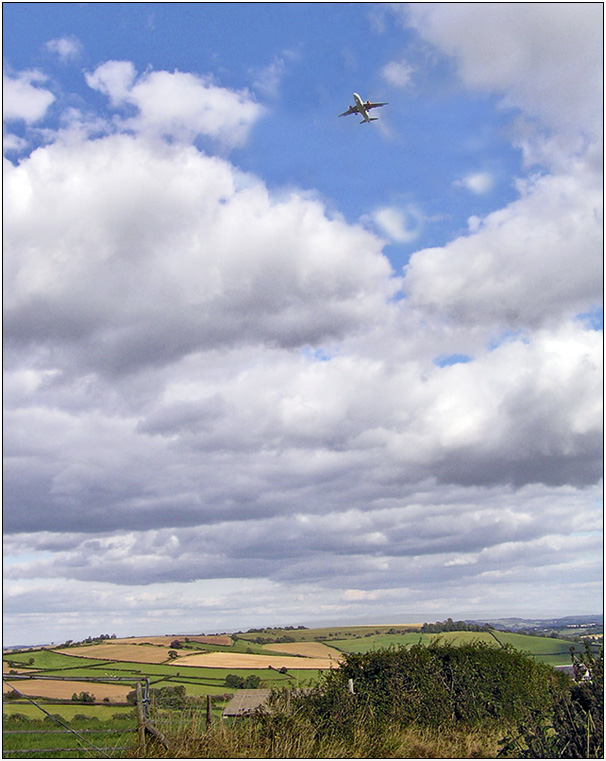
<point>267,366</point>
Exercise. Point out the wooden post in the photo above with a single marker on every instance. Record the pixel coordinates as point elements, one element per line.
<point>140,721</point>
<point>287,701</point>
<point>209,713</point>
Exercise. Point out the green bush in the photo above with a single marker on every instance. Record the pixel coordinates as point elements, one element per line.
<point>234,681</point>
<point>433,685</point>
<point>574,727</point>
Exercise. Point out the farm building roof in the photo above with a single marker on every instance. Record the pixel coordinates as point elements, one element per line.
<point>245,702</point>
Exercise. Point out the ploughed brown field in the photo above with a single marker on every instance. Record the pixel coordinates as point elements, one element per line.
<point>63,690</point>
<point>254,661</point>
<point>119,652</point>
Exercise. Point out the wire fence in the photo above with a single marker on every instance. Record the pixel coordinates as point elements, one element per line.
<point>125,735</point>
<point>119,737</point>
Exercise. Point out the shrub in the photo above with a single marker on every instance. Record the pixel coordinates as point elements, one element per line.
<point>83,697</point>
<point>234,681</point>
<point>574,727</point>
<point>432,686</point>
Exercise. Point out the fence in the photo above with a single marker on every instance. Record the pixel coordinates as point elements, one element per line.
<point>128,736</point>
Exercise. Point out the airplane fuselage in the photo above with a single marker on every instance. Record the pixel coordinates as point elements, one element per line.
<point>361,108</point>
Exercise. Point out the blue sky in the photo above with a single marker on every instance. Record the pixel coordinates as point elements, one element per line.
<point>303,64</point>
<point>278,365</point>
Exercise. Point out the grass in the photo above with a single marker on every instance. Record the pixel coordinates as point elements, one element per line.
<point>555,652</point>
<point>248,739</point>
<point>200,681</point>
<point>67,711</point>
<point>38,738</point>
<point>377,641</point>
<point>327,634</point>
<point>49,659</point>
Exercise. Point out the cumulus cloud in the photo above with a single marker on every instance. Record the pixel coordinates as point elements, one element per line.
<point>23,99</point>
<point>498,45</point>
<point>143,252</point>
<point>179,105</point>
<point>536,258</point>
<point>400,224</point>
<point>13,143</point>
<point>398,73</point>
<point>477,182</point>
<point>114,79</point>
<point>267,80</point>
<point>65,47</point>
<point>206,381</point>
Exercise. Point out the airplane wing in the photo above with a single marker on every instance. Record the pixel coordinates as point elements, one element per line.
<point>374,105</point>
<point>350,110</point>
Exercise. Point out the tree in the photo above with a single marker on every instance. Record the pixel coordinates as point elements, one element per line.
<point>173,654</point>
<point>234,681</point>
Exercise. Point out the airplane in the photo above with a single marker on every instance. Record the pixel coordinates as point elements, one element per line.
<point>362,109</point>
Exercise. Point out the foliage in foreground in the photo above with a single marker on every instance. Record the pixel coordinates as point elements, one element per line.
<point>472,701</point>
<point>574,728</point>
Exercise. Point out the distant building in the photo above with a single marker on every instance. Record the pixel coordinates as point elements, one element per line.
<point>245,702</point>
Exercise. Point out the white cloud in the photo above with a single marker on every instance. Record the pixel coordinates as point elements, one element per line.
<point>545,58</point>
<point>267,80</point>
<point>206,382</point>
<point>12,143</point>
<point>537,258</point>
<point>65,47</point>
<point>400,224</point>
<point>113,78</point>
<point>117,243</point>
<point>398,73</point>
<point>23,99</point>
<point>477,182</point>
<point>178,105</point>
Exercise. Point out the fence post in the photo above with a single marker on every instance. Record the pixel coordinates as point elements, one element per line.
<point>140,720</point>
<point>209,713</point>
<point>287,701</point>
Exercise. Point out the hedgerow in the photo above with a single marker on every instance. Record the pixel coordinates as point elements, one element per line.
<point>432,685</point>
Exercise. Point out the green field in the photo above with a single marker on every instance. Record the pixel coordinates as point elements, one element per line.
<point>200,681</point>
<point>555,652</point>
<point>94,720</point>
<point>67,711</point>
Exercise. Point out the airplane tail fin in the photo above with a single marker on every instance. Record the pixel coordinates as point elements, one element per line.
<point>370,119</point>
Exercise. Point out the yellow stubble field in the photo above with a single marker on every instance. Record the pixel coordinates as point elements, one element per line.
<point>63,690</point>
<point>254,661</point>
<point>120,652</point>
<point>212,639</point>
<point>306,649</point>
